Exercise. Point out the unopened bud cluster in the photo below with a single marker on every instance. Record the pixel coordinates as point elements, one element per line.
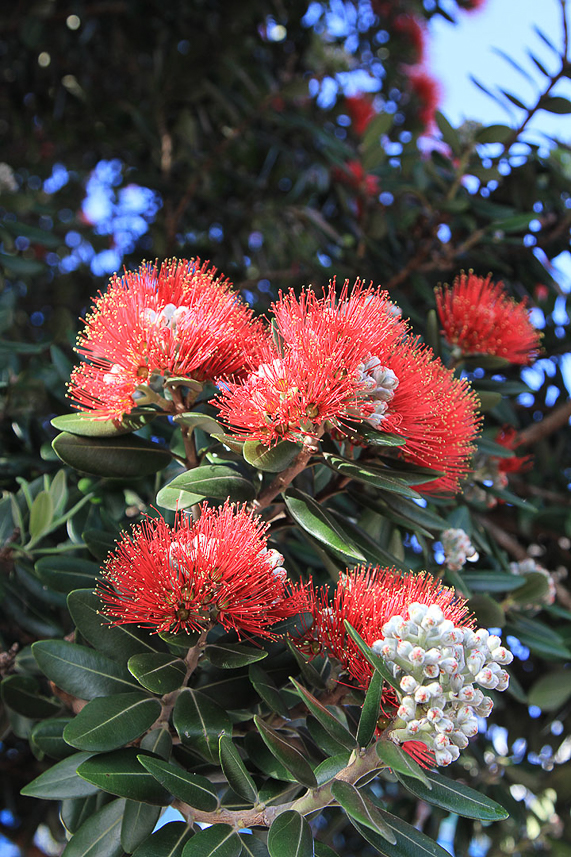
<point>379,385</point>
<point>457,548</point>
<point>437,665</point>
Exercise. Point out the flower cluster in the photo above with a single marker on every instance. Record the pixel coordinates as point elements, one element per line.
<point>457,548</point>
<point>478,317</point>
<point>346,358</point>
<point>179,321</point>
<point>191,575</point>
<point>530,566</point>
<point>426,635</point>
<point>437,665</point>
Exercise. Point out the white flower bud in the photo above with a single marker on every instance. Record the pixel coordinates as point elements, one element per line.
<point>456,682</point>
<point>501,655</point>
<point>407,708</point>
<point>493,642</point>
<point>443,757</point>
<point>431,670</point>
<point>433,715</point>
<point>444,725</point>
<point>413,727</point>
<point>487,678</point>
<point>484,709</point>
<point>434,688</point>
<point>503,680</point>
<point>467,693</point>
<point>404,648</point>
<point>408,684</point>
<point>433,656</point>
<point>417,612</point>
<point>465,712</point>
<point>433,617</point>
<point>456,635</point>
<point>459,739</point>
<point>422,695</point>
<point>416,656</point>
<point>449,665</point>
<point>441,741</point>
<point>469,727</point>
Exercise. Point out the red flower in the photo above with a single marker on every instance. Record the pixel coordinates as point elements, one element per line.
<point>361,112</point>
<point>368,598</point>
<point>426,90</point>
<point>324,372</point>
<point>413,31</point>
<point>478,317</point>
<point>179,321</point>
<point>435,411</point>
<point>353,175</point>
<point>507,436</point>
<point>191,575</point>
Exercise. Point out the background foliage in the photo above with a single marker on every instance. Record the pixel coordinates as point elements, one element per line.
<point>136,129</point>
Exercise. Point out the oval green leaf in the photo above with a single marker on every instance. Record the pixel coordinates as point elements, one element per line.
<point>47,736</point>
<point>371,710</point>
<point>123,457</point>
<point>289,757</point>
<point>360,808</point>
<point>319,524</point>
<point>410,842</point>
<point>267,689</point>
<point>81,671</point>
<point>328,720</point>
<point>61,781</point>
<point>199,722</point>
<point>121,773</point>
<point>400,762</point>
<point>22,694</point>
<point>235,771</point>
<point>214,480</point>
<point>290,836</point>
<point>232,655</point>
<point>454,797</point>
<point>272,459</point>
<point>168,841</point>
<point>107,723</point>
<point>551,691</point>
<point>220,840</point>
<point>158,672</point>
<point>138,823</point>
<point>193,789</point>
<point>65,573</point>
<point>86,426</point>
<point>118,642</point>
<point>100,835</point>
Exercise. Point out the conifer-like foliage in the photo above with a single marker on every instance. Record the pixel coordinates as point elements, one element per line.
<point>285,523</point>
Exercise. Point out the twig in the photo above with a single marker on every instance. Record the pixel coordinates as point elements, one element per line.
<point>283,479</point>
<point>548,425</point>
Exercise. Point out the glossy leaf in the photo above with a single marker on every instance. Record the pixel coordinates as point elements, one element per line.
<point>290,836</point>
<point>199,722</point>
<point>400,762</point>
<point>411,511</point>
<point>158,672</point>
<point>214,480</point>
<point>328,720</point>
<point>99,543</point>
<point>285,753</point>
<point>272,459</point>
<point>75,811</point>
<point>107,723</point>
<point>323,850</point>
<point>138,823</point>
<point>362,809</point>
<point>65,573</point>
<point>328,769</point>
<point>180,643</point>
<point>410,842</point>
<point>541,639</point>
<point>235,771</point>
<point>86,426</point>
<point>121,773</point>
<point>61,781</point>
<point>377,476</point>
<point>193,789</point>
<point>318,523</point>
<point>168,841</point>
<point>118,642</point>
<point>41,515</point>
<point>81,671</point>
<point>375,660</point>
<point>194,420</point>
<point>100,835</point>
<point>550,692</point>
<point>535,588</point>
<point>371,710</point>
<point>252,846</point>
<point>266,688</point>
<point>220,840</point>
<point>374,437</point>
<point>47,736</point>
<point>123,457</point>
<point>492,581</point>
<point>158,741</point>
<point>232,655</point>
<point>22,694</point>
<point>488,612</point>
<point>454,796</point>
<point>555,104</point>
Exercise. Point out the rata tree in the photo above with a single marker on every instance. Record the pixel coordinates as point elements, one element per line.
<point>283,564</point>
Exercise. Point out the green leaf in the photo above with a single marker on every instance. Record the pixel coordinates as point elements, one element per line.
<point>118,642</point>
<point>360,808</point>
<point>107,723</point>
<point>323,850</point>
<point>330,767</point>
<point>488,399</point>
<point>75,811</point>
<point>22,694</point>
<point>235,771</point>
<point>41,515</point>
<point>220,840</point>
<point>265,761</point>
<point>139,821</point>
<point>454,797</point>
<point>517,223</point>
<point>380,477</point>
<point>158,741</point>
<point>99,543</point>
<point>176,499</point>
<point>535,588</point>
<point>253,847</point>
<point>61,781</point>
<point>375,660</point>
<point>21,266</point>
<point>290,836</point>
<point>194,420</point>
<point>65,573</point>
<point>541,639</point>
<point>489,447</point>
<point>229,656</point>
<point>410,842</point>
<point>47,736</point>
<point>404,512</point>
<point>449,134</point>
<point>555,104</point>
<point>489,613</point>
<point>100,835</point>
<point>121,773</point>
<point>193,789</point>
<point>86,426</point>
<point>272,459</point>
<point>199,722</point>
<point>123,457</point>
<point>329,722</point>
<point>551,691</point>
<point>289,757</point>
<point>509,497</point>
<point>168,841</point>
<point>400,762</point>
<point>374,437</point>
<point>494,134</point>
<point>372,551</point>
<point>319,524</point>
<point>160,673</point>
<point>213,480</point>
<point>81,671</point>
<point>371,710</point>
<point>266,688</point>
<point>182,642</point>
<point>492,581</point>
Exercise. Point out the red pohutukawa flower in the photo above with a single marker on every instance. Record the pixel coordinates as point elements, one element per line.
<point>329,368</point>
<point>189,576</point>
<point>361,111</point>
<point>478,317</point>
<point>507,436</point>
<point>427,90</point>
<point>181,320</point>
<point>425,635</point>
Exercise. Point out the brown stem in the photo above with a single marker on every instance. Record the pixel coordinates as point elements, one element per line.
<point>283,479</point>
<point>504,539</point>
<point>169,699</point>
<point>552,423</point>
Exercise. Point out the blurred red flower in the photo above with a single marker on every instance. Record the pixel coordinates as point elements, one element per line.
<point>478,317</point>
<point>361,111</point>
<point>426,90</point>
